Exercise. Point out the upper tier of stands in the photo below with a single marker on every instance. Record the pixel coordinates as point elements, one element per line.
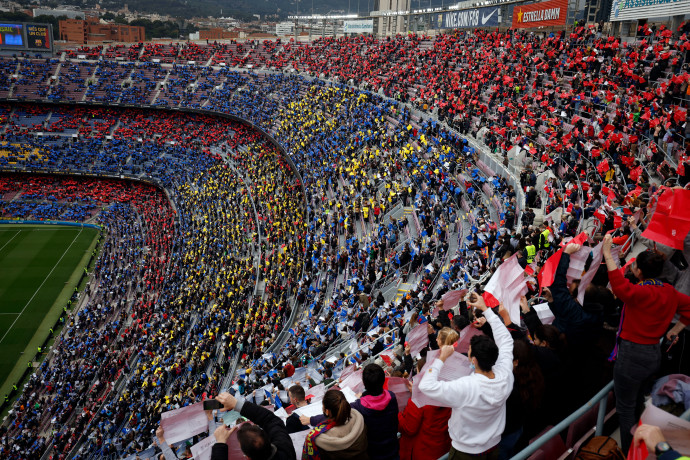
<point>399,202</point>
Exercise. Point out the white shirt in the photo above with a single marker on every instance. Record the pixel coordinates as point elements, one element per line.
<point>478,402</point>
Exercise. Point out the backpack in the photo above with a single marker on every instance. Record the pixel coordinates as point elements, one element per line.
<point>600,448</point>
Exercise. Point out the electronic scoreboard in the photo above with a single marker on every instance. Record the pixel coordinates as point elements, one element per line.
<point>26,37</point>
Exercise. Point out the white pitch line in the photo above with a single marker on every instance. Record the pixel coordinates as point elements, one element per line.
<point>8,241</point>
<point>39,288</point>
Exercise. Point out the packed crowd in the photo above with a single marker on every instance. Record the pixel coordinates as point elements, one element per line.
<point>157,260</point>
<point>552,95</point>
<point>400,210</point>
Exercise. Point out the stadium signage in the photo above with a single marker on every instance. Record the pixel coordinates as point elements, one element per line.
<point>358,27</point>
<point>625,10</point>
<point>476,17</point>
<point>542,14</point>
<point>26,37</point>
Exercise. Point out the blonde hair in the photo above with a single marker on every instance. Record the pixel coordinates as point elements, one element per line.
<point>447,336</point>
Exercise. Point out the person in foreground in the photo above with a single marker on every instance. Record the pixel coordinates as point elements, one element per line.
<point>342,436</point>
<point>268,439</point>
<point>379,408</point>
<point>424,430</point>
<point>656,442</point>
<point>478,400</point>
<point>649,307</point>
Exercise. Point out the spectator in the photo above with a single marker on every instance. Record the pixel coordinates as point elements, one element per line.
<point>478,400</point>
<point>655,442</point>
<point>267,439</point>
<point>580,324</point>
<point>379,408</point>
<point>297,399</point>
<point>423,430</point>
<point>650,306</point>
<point>524,403</point>
<point>343,435</point>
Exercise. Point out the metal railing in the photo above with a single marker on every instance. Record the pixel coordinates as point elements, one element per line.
<point>600,398</point>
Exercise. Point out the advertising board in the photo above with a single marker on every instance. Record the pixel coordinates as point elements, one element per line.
<point>628,10</point>
<point>470,18</point>
<point>542,14</point>
<point>365,26</point>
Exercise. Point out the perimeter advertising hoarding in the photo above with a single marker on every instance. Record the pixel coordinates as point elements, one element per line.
<point>472,18</point>
<point>628,10</point>
<point>26,37</point>
<point>543,14</point>
<point>365,26</point>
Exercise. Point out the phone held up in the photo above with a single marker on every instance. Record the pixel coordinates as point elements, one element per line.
<point>211,404</point>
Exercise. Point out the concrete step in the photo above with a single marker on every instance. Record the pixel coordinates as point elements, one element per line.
<point>538,216</point>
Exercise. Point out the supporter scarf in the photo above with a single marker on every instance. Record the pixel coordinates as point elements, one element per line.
<point>614,353</point>
<point>310,451</point>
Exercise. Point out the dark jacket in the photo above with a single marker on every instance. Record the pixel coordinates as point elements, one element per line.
<point>293,424</point>
<point>581,328</point>
<point>382,425</point>
<point>270,423</point>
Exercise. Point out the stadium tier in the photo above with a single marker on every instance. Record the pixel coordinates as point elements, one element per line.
<point>310,204</point>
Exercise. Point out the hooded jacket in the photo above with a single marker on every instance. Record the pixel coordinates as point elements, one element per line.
<point>381,418</point>
<point>345,441</point>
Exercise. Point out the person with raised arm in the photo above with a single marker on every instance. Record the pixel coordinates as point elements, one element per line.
<point>268,439</point>
<point>478,400</point>
<point>649,307</point>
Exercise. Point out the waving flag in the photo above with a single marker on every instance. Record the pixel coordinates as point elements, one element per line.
<point>508,285</point>
<point>548,271</point>
<point>670,222</point>
<point>451,298</point>
<point>418,338</point>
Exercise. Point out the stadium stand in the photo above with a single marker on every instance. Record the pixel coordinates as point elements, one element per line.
<point>405,169</point>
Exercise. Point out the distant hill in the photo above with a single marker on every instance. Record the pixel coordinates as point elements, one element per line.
<point>237,8</point>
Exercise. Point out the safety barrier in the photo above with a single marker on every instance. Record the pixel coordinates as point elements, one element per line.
<point>600,398</point>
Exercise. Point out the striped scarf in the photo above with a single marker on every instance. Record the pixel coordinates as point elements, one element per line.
<point>310,451</point>
<point>614,353</point>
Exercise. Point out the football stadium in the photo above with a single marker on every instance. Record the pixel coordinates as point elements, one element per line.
<point>467,241</point>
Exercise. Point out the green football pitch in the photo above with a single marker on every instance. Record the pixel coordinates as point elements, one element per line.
<point>40,266</point>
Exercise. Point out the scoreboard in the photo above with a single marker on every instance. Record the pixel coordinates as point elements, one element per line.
<point>39,37</point>
<point>26,37</point>
<point>12,36</point>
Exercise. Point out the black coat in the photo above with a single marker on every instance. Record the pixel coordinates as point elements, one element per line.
<point>271,424</point>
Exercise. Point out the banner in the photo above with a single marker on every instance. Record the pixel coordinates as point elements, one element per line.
<point>542,14</point>
<point>507,285</point>
<point>359,27</point>
<point>476,17</point>
<point>626,10</point>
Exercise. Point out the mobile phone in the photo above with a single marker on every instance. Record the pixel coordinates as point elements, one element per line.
<point>210,404</point>
<point>671,342</point>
